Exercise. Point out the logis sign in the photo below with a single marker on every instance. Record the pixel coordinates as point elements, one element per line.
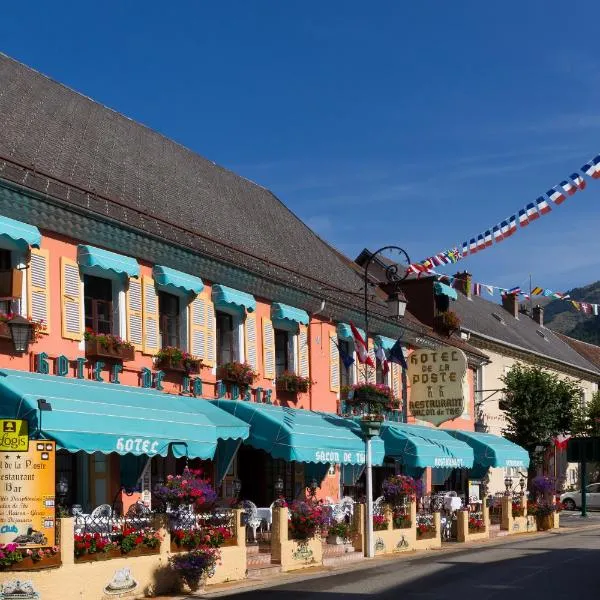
<point>437,379</point>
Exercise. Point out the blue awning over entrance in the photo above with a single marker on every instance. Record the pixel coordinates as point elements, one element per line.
<point>104,417</point>
<point>177,280</point>
<point>103,260</point>
<point>416,446</point>
<point>302,435</point>
<point>492,450</point>
<point>22,234</point>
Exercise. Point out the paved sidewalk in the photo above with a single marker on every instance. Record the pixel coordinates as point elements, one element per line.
<point>573,524</point>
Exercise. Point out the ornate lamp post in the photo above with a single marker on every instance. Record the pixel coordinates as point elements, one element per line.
<point>20,330</point>
<point>371,426</point>
<point>278,487</point>
<point>236,487</point>
<point>508,485</point>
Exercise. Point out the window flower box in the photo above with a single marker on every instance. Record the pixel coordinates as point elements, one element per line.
<point>11,283</point>
<point>106,345</point>
<point>26,559</point>
<point>237,373</point>
<point>290,382</point>
<point>446,322</point>
<point>174,359</point>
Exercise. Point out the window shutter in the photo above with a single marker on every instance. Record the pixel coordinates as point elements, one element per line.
<point>211,338</point>
<point>150,316</point>
<point>134,313</point>
<point>268,349</point>
<point>303,364</point>
<point>371,370</point>
<point>334,364</point>
<point>250,334</point>
<point>197,320</point>
<point>396,374</point>
<point>70,285</point>
<point>38,287</point>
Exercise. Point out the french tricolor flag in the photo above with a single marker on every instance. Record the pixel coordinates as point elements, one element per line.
<point>589,169</point>
<point>473,246</point>
<point>504,228</point>
<point>578,180</point>
<point>569,189</point>
<point>512,225</point>
<point>596,162</point>
<point>488,238</point>
<point>543,206</point>
<point>465,249</point>
<point>480,242</point>
<point>523,220</point>
<point>556,196</point>
<point>532,213</point>
<point>498,237</point>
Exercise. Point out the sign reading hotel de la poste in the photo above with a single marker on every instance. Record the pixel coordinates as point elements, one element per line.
<point>438,381</point>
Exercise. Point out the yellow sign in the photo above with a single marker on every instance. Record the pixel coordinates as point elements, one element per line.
<point>27,483</point>
<point>14,435</point>
<point>437,379</point>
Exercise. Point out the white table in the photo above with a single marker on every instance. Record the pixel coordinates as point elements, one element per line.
<point>266,515</point>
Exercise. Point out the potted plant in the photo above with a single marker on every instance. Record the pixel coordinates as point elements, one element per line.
<point>237,373</point>
<point>338,533</point>
<point>397,490</point>
<point>380,523</point>
<point>172,358</point>
<point>518,510</point>
<point>306,519</point>
<point>401,520</point>
<point>190,488</point>
<point>290,382</point>
<point>196,566</point>
<point>446,322</point>
<point>425,529</point>
<point>476,525</point>
<point>106,345</point>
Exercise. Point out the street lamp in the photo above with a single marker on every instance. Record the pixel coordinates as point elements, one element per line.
<point>522,484</point>
<point>508,485</point>
<point>20,331</point>
<point>278,487</point>
<point>236,486</point>
<point>371,426</point>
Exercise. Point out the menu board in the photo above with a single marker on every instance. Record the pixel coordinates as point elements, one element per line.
<point>27,484</point>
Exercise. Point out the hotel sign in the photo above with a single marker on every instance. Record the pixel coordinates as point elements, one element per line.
<point>438,380</point>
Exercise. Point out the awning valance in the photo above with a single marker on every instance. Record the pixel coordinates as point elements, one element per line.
<point>104,417</point>
<point>418,446</point>
<point>281,311</point>
<point>22,234</point>
<point>98,259</point>
<point>176,281</point>
<point>492,450</point>
<point>344,332</point>
<point>302,435</point>
<point>384,342</point>
<point>226,296</point>
<point>441,289</point>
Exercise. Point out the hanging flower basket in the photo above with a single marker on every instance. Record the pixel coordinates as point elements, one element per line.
<point>446,322</point>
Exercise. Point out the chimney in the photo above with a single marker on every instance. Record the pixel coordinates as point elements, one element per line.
<point>463,283</point>
<point>510,302</point>
<point>538,315</point>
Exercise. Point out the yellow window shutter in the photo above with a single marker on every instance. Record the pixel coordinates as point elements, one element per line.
<point>396,374</point>
<point>38,287</point>
<point>334,364</point>
<point>211,338</point>
<point>135,327</point>
<point>71,289</point>
<point>250,336</point>
<point>303,363</point>
<point>268,349</point>
<point>371,370</point>
<point>150,316</point>
<point>197,324</point>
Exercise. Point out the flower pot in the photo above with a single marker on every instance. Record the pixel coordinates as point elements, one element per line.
<point>94,349</point>
<point>193,583</point>
<point>545,522</point>
<point>28,564</point>
<point>335,540</point>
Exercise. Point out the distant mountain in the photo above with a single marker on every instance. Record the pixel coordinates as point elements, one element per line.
<point>562,317</point>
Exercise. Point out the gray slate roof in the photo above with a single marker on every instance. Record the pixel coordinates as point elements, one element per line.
<point>476,316</point>
<point>162,187</point>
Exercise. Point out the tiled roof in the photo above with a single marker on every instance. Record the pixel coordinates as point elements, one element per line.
<point>477,316</point>
<point>590,352</point>
<point>155,185</point>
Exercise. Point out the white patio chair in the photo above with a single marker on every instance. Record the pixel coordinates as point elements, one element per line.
<point>252,519</point>
<point>378,506</point>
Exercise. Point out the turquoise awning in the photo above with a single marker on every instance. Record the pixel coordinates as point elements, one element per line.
<point>418,446</point>
<point>441,289</point>
<point>98,259</point>
<point>22,234</point>
<point>283,311</point>
<point>492,450</point>
<point>177,281</point>
<point>106,417</point>
<point>345,333</point>
<point>384,342</point>
<point>302,435</point>
<point>226,296</point>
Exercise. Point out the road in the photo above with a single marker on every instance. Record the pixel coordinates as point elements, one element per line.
<point>552,567</point>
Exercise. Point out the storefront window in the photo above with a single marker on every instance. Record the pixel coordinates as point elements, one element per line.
<point>225,338</point>
<point>282,358</point>
<point>98,304</point>
<point>345,372</point>
<point>168,307</point>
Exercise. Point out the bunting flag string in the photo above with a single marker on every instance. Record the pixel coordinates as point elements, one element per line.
<point>556,195</point>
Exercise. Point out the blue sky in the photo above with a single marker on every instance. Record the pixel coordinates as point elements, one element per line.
<point>410,123</point>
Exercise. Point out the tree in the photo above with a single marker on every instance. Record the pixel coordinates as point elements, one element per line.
<point>539,406</point>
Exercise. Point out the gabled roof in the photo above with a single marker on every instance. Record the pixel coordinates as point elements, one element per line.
<point>145,179</point>
<point>590,352</point>
<point>492,321</point>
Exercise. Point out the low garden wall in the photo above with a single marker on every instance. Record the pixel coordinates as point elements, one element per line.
<point>465,532</point>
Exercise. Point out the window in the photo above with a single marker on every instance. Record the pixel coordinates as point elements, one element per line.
<point>282,357</point>
<point>225,338</point>
<point>5,267</point>
<point>168,308</point>
<point>345,372</point>
<point>98,304</point>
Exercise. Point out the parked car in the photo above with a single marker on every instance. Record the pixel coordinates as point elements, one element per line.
<point>572,500</point>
